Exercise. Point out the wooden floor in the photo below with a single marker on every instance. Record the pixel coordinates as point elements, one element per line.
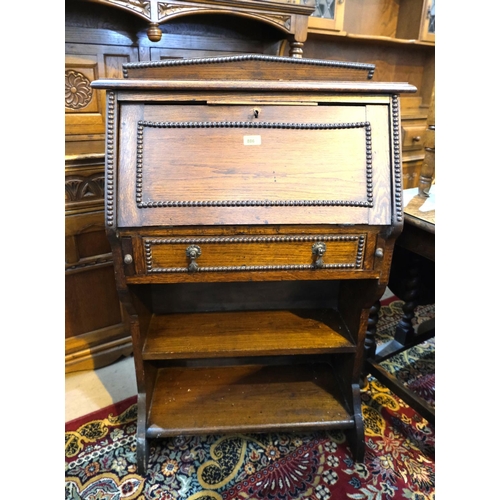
<point>91,390</point>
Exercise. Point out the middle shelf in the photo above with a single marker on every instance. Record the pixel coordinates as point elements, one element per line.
<point>246,333</point>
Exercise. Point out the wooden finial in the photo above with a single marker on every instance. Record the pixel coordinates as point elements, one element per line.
<point>296,49</point>
<point>154,32</point>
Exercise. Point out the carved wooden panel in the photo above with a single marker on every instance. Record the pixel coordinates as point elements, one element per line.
<point>84,184</point>
<point>287,15</point>
<point>84,107</point>
<point>210,35</point>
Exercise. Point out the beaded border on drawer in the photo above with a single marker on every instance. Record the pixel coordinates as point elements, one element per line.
<point>254,203</point>
<point>148,243</point>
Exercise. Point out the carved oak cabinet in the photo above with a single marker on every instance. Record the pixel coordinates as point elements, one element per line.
<point>252,203</point>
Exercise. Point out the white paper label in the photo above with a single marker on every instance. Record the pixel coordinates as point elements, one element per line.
<point>252,140</point>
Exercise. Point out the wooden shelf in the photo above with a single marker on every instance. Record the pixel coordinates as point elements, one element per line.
<point>189,401</point>
<point>246,333</point>
<point>389,39</point>
<point>376,39</point>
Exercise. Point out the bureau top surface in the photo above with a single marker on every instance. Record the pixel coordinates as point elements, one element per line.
<point>257,85</point>
<point>251,72</point>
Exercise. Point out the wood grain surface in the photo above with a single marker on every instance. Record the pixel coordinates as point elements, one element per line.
<point>246,399</point>
<point>240,333</point>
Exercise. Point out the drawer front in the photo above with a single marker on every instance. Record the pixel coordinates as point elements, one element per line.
<point>243,164</point>
<point>413,136</point>
<point>259,253</point>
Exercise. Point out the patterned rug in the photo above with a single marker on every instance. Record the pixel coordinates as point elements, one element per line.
<point>399,463</point>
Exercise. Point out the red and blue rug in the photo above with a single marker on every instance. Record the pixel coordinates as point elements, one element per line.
<point>399,463</point>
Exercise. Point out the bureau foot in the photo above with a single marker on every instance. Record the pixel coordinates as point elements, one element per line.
<point>356,436</point>
<point>142,456</point>
<point>142,443</point>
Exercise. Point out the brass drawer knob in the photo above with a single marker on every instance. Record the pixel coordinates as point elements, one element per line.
<point>318,250</point>
<point>192,253</point>
<point>128,259</point>
<point>379,252</point>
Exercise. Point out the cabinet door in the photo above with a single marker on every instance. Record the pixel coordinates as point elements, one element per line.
<point>428,27</point>
<point>328,16</point>
<point>84,106</point>
<point>94,327</point>
<point>417,20</point>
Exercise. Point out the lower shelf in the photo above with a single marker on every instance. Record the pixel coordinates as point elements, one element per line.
<point>189,401</point>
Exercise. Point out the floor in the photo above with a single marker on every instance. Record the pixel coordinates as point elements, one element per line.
<point>90,390</point>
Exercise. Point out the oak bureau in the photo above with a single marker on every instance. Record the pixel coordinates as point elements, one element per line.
<point>252,203</point>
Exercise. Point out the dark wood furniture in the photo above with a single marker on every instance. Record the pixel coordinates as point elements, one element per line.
<point>411,279</point>
<point>252,207</point>
<point>289,16</point>
<point>98,42</point>
<point>95,333</point>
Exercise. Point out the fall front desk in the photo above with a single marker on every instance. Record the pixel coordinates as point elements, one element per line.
<point>252,205</point>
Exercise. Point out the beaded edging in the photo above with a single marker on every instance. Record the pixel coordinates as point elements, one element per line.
<point>142,124</point>
<point>398,177</point>
<point>249,57</point>
<point>149,243</point>
<point>110,158</point>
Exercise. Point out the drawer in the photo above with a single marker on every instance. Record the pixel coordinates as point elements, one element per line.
<point>254,253</point>
<point>413,136</point>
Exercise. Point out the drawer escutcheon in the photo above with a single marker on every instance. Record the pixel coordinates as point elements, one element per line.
<point>193,252</point>
<point>319,249</point>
